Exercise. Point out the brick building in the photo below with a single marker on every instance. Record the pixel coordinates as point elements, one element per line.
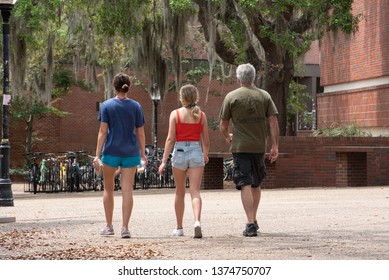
<point>355,72</point>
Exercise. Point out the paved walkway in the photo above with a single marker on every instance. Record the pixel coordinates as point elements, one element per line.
<point>323,223</point>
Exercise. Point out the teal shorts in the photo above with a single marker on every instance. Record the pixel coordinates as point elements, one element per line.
<point>125,162</point>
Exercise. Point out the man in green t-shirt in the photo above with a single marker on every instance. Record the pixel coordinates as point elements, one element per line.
<point>249,108</point>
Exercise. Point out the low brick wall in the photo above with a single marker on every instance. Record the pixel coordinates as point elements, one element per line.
<point>213,172</point>
<point>319,162</point>
<point>330,162</point>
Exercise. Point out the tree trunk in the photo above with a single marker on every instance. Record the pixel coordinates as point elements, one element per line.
<point>274,76</point>
<point>279,93</point>
<point>109,74</point>
<point>19,60</point>
<point>49,68</point>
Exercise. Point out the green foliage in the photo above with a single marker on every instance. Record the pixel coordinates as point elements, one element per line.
<point>109,54</point>
<point>23,108</point>
<point>181,6</point>
<point>63,80</point>
<point>297,106</point>
<point>341,18</point>
<point>335,130</point>
<point>248,4</point>
<point>197,73</point>
<point>37,12</point>
<point>123,17</point>
<point>18,171</point>
<point>296,39</point>
<point>213,124</point>
<point>297,99</point>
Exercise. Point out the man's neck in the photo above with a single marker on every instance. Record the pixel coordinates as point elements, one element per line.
<point>246,85</point>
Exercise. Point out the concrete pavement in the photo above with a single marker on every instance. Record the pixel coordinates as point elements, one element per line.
<point>306,223</point>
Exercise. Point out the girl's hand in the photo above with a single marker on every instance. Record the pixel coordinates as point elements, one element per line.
<point>145,161</point>
<point>161,168</point>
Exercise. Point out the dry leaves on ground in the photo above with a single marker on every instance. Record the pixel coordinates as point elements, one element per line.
<point>37,244</point>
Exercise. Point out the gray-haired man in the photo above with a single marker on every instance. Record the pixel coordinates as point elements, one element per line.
<point>249,108</point>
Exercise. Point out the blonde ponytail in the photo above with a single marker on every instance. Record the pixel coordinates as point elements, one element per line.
<point>189,96</point>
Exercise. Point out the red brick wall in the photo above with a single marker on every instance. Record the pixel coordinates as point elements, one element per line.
<point>351,169</point>
<point>362,55</point>
<point>357,57</point>
<point>319,162</point>
<point>313,55</point>
<point>368,107</point>
<point>326,162</point>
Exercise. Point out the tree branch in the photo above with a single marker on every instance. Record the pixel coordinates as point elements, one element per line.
<point>226,53</point>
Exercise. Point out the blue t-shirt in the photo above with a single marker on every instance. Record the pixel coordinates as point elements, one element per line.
<point>123,117</point>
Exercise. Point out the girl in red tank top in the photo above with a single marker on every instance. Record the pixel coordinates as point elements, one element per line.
<point>188,133</point>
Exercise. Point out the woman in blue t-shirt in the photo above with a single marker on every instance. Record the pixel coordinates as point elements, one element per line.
<point>120,142</point>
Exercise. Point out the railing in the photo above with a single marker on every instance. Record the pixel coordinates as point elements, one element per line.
<point>73,172</point>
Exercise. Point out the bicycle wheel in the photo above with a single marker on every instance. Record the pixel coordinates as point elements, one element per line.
<point>98,183</point>
<point>155,178</point>
<point>56,180</point>
<point>85,178</point>
<point>35,177</point>
<point>142,180</point>
<point>225,172</point>
<point>77,179</point>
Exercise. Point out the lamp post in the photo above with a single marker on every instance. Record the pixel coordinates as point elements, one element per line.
<point>156,97</point>
<point>6,197</point>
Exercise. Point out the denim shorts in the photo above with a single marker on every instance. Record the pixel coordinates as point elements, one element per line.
<point>187,155</point>
<point>249,169</point>
<point>125,162</point>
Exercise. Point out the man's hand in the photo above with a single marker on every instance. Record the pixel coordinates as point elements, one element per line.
<point>273,155</point>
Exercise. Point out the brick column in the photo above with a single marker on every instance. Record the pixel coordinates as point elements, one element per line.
<point>213,174</point>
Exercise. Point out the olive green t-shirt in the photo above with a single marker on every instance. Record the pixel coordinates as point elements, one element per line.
<point>248,108</point>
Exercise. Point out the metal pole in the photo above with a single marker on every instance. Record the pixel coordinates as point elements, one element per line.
<point>155,96</point>
<point>155,129</point>
<point>6,197</point>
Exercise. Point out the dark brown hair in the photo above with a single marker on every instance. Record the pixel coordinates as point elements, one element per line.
<point>122,82</point>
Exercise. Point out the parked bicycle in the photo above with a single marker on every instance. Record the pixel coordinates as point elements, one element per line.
<point>150,177</point>
<point>228,168</point>
<point>89,178</point>
<point>167,177</point>
<point>73,172</point>
<point>49,173</point>
<point>33,176</point>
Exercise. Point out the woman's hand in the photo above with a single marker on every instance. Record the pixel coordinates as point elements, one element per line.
<point>97,164</point>
<point>161,168</point>
<point>144,159</point>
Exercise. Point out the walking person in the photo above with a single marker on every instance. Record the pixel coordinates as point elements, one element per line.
<point>249,109</point>
<point>188,133</point>
<point>120,142</point>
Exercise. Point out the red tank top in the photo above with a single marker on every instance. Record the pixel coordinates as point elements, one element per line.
<point>188,132</point>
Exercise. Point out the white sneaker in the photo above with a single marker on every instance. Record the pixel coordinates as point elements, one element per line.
<point>125,233</point>
<point>178,232</point>
<point>197,230</point>
<point>108,230</point>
